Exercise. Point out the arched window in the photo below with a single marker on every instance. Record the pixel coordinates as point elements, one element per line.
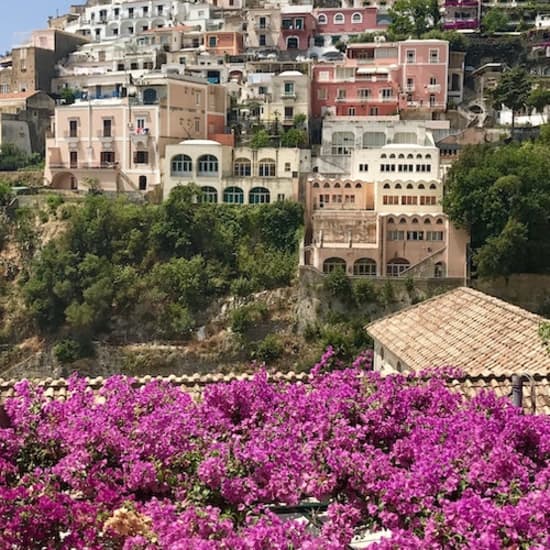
<point>267,168</point>
<point>409,186</point>
<point>396,266</point>
<point>292,43</point>
<point>208,165</point>
<point>439,270</point>
<point>259,195</point>
<point>398,186</point>
<point>233,195</point>
<point>421,186</point>
<point>392,156</point>
<point>209,194</point>
<point>337,185</point>
<point>365,267</point>
<point>334,264</point>
<point>402,221</point>
<point>356,18</point>
<point>326,185</point>
<point>427,221</point>
<point>383,156</point>
<point>439,221</point>
<point>433,186</point>
<point>410,156</point>
<point>149,96</point>
<point>387,186</point>
<point>322,19</point>
<point>358,186</point>
<point>401,156</point>
<point>419,156</point>
<point>242,167</point>
<point>415,221</point>
<point>390,220</point>
<point>428,156</point>
<point>338,18</point>
<point>142,183</point>
<point>182,165</point>
<point>316,185</point>
<point>347,185</point>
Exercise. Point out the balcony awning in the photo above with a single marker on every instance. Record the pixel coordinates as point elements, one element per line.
<point>373,70</point>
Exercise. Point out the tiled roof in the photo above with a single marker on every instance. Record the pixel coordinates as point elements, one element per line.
<point>18,95</point>
<point>536,392</point>
<point>465,328</point>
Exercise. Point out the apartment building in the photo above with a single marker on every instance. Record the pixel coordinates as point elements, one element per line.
<point>263,25</point>
<point>333,23</point>
<point>374,204</point>
<point>298,28</point>
<point>461,15</point>
<point>236,175</point>
<point>383,78</point>
<point>117,143</point>
<point>31,66</point>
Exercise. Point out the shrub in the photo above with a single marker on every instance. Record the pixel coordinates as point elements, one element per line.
<point>70,350</point>
<point>54,202</point>
<point>338,285</point>
<point>388,293</point>
<point>244,317</point>
<point>269,349</point>
<point>242,286</point>
<point>365,292</point>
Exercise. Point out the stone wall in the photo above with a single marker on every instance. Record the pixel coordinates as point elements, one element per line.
<point>28,178</point>
<point>528,290</point>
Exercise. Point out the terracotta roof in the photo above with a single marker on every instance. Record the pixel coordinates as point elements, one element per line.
<point>536,392</point>
<point>18,95</point>
<point>464,328</point>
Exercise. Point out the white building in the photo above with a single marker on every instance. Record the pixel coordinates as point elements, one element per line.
<point>239,175</point>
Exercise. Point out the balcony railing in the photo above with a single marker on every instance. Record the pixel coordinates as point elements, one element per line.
<point>84,166</point>
<point>434,88</point>
<point>69,134</point>
<point>465,24</point>
<point>462,3</point>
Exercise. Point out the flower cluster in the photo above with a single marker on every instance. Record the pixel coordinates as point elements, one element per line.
<point>147,467</point>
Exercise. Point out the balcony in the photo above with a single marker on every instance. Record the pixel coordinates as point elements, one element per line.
<point>105,136</point>
<point>140,136</point>
<point>434,88</point>
<point>464,24</point>
<point>409,89</point>
<point>461,3</point>
<point>288,95</point>
<point>84,166</point>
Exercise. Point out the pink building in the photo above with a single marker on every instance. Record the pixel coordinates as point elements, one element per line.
<point>117,144</point>
<point>298,28</point>
<point>383,78</point>
<point>339,21</point>
<point>461,15</point>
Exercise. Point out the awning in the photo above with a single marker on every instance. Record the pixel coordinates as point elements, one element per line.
<point>373,70</point>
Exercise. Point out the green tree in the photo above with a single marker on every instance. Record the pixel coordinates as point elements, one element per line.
<point>294,138</point>
<point>538,99</point>
<point>6,193</point>
<point>413,18</point>
<point>261,138</point>
<point>512,91</point>
<point>495,20</point>
<point>501,195</point>
<point>12,158</point>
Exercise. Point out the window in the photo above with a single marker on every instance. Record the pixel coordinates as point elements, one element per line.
<point>409,200</point>
<point>363,167</point>
<point>428,201</point>
<point>351,111</point>
<point>339,19</point>
<point>142,183</point>
<point>356,18</point>
<point>390,200</point>
<point>386,93</point>
<point>280,197</point>
<point>160,9</point>
<point>334,264</point>
<point>182,165</point>
<point>287,167</point>
<point>209,194</point>
<point>373,111</point>
<point>212,41</point>
<point>242,167</point>
<point>415,235</point>
<point>322,19</point>
<point>107,158</point>
<point>322,93</point>
<point>292,43</point>
<point>259,195</point>
<point>439,270</point>
<point>363,93</point>
<point>350,199</point>
<point>262,40</point>
<point>411,56</point>
<point>73,159</point>
<point>208,165</point>
<point>299,23</point>
<point>396,266</point>
<point>289,113</point>
<point>149,96</point>
<point>73,128</point>
<point>433,81</point>
<point>341,93</point>
<point>434,235</point>
<point>262,22</point>
<point>289,89</point>
<point>396,235</point>
<point>197,125</point>
<point>365,267</point>
<point>141,157</point>
<point>434,56</point>
<point>107,127</point>
<point>233,195</point>
<point>266,168</point>
<point>342,143</point>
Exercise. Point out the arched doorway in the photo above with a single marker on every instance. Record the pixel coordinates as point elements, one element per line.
<point>64,180</point>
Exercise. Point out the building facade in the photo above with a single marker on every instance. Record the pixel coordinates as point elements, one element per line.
<point>239,175</point>
<point>117,143</point>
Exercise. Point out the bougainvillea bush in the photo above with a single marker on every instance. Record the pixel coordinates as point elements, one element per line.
<point>147,467</point>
